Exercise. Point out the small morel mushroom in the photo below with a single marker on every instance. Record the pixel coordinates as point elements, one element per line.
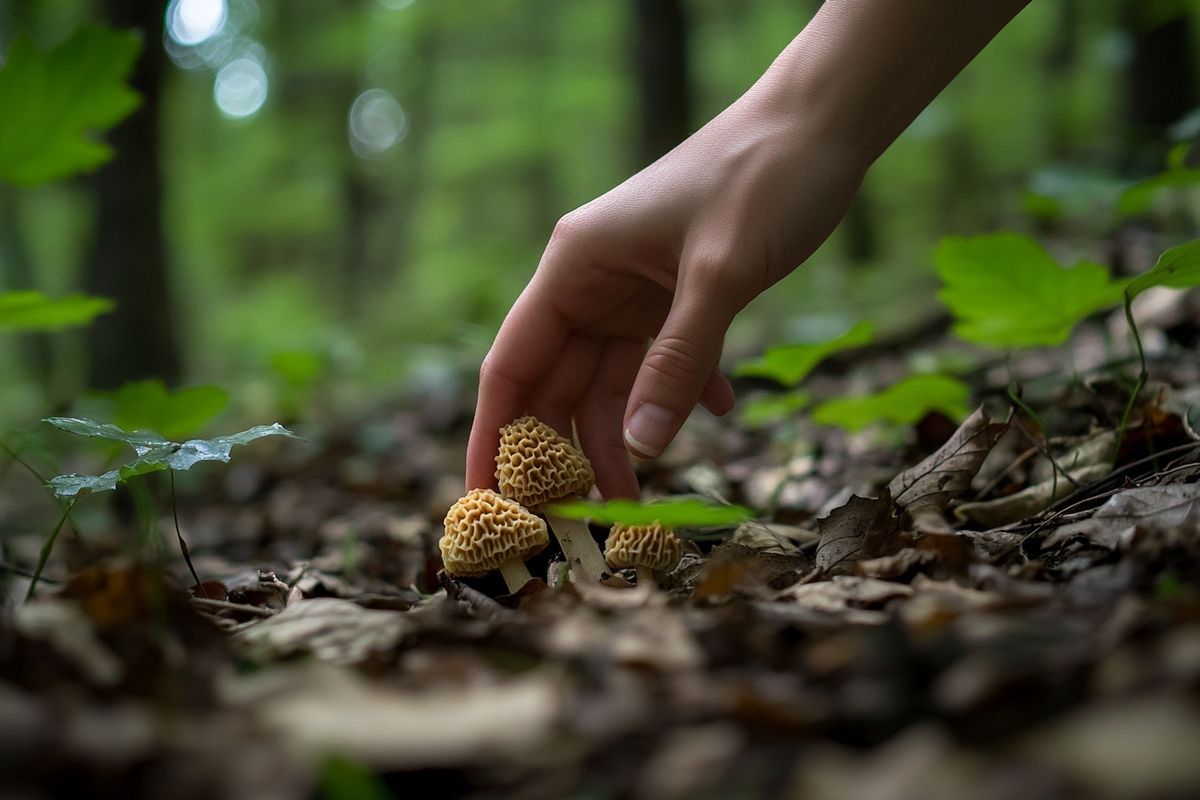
<point>486,532</point>
<point>536,466</point>
<point>644,547</point>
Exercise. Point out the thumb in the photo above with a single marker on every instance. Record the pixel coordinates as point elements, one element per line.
<point>674,373</point>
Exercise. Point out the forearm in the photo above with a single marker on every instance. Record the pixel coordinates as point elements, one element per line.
<point>862,70</point>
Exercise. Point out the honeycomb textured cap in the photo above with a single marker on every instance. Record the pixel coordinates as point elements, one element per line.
<point>484,530</point>
<point>650,546</point>
<point>536,465</point>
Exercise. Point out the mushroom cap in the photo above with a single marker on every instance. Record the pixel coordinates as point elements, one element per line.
<point>650,546</point>
<point>536,465</point>
<point>484,530</point>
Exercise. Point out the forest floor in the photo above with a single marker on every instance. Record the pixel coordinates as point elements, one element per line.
<point>870,635</point>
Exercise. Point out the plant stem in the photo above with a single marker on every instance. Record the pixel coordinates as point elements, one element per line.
<point>516,574</point>
<point>583,554</point>
<point>44,555</point>
<point>183,548</point>
<point>645,577</point>
<point>1141,379</point>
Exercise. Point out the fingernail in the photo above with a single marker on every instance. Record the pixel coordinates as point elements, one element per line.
<point>649,429</point>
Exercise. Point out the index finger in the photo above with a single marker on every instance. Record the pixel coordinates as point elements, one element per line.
<point>527,345</point>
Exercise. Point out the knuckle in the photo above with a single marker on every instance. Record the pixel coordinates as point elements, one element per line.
<point>673,361</point>
<point>569,227</point>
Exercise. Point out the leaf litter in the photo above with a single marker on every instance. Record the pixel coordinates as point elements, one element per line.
<point>942,619</point>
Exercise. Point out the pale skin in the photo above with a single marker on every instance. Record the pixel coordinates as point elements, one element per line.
<point>619,332</point>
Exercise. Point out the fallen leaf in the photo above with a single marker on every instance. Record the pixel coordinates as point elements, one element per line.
<point>1115,522</point>
<point>848,597</point>
<point>331,629</point>
<point>857,530</point>
<point>931,485</point>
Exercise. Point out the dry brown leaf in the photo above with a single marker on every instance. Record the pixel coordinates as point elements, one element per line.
<point>331,629</point>
<point>859,529</point>
<point>931,485</point>
<point>1114,523</point>
<point>848,597</point>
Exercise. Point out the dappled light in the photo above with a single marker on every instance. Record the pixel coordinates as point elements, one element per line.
<point>376,123</point>
<point>241,87</point>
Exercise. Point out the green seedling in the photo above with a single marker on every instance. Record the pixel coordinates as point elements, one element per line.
<point>178,415</point>
<point>154,454</point>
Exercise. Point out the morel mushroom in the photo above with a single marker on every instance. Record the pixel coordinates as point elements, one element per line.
<point>537,466</point>
<point>644,547</point>
<point>486,532</point>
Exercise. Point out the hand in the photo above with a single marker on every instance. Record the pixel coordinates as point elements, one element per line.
<point>677,250</point>
<point>671,255</point>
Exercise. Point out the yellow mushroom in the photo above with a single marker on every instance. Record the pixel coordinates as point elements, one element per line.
<point>486,532</point>
<point>536,466</point>
<point>646,548</point>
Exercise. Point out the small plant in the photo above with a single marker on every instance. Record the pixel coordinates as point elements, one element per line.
<point>154,454</point>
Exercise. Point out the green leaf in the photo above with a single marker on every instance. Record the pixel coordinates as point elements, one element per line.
<point>297,367</point>
<point>33,311</point>
<point>1178,268</point>
<point>54,101</point>
<point>790,364</point>
<point>154,455</point>
<point>148,406</point>
<point>1006,290</point>
<point>904,403</point>
<point>1137,198</point>
<point>764,410</point>
<point>684,513</point>
<point>342,779</point>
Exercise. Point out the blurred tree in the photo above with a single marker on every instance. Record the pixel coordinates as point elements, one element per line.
<point>128,261</point>
<point>1160,83</point>
<point>661,69</point>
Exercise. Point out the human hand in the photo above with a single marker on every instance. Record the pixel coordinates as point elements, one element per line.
<point>671,255</point>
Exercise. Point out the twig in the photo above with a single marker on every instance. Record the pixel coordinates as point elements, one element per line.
<point>225,605</point>
<point>24,573</point>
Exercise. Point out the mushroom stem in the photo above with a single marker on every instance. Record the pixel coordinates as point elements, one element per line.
<point>645,577</point>
<point>515,574</point>
<point>581,550</point>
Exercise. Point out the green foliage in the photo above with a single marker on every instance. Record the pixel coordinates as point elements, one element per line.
<point>1178,268</point>
<point>154,454</point>
<point>903,403</point>
<point>342,779</point>
<point>1007,291</point>
<point>764,410</point>
<point>33,311</point>
<point>1137,198</point>
<point>790,364</point>
<point>148,406</point>
<point>54,100</point>
<point>687,512</point>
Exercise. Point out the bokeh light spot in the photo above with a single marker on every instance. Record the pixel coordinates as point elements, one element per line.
<point>240,88</point>
<point>191,22</point>
<point>377,123</point>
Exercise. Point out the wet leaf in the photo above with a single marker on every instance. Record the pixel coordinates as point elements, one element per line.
<point>154,454</point>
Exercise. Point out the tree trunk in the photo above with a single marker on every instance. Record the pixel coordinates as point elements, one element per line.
<point>1160,82</point>
<point>128,260</point>
<point>664,88</point>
